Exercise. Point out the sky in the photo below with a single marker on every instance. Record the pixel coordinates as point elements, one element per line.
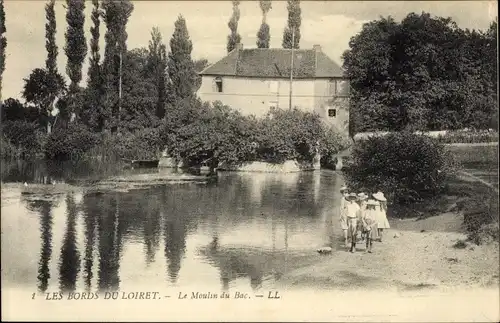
<point>328,23</point>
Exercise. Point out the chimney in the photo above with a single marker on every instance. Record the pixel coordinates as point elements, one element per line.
<point>317,48</point>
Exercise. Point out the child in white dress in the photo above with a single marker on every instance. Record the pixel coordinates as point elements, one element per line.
<point>382,222</point>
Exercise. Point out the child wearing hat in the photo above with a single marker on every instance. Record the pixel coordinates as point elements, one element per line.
<point>352,214</point>
<point>382,222</point>
<point>362,199</point>
<point>369,221</point>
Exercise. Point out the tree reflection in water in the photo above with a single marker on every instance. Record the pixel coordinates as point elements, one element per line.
<point>69,261</point>
<point>44,207</point>
<point>90,217</point>
<point>175,230</point>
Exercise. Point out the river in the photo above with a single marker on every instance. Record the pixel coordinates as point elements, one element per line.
<point>243,232</point>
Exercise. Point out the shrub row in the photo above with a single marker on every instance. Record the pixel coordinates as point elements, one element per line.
<point>470,137</point>
<point>221,135</point>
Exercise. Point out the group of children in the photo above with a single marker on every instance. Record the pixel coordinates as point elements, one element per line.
<point>364,215</point>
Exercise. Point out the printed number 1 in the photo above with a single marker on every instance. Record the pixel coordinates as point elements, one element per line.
<point>33,296</point>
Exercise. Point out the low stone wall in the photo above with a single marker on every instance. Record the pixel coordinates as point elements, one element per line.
<point>289,166</point>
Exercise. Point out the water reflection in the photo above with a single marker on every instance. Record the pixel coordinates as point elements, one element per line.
<point>69,261</point>
<point>248,228</point>
<point>90,232</point>
<point>45,208</point>
<point>175,229</point>
<point>110,243</point>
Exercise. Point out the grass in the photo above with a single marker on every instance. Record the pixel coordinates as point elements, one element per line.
<point>479,155</point>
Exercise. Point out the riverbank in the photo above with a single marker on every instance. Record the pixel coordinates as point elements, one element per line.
<point>432,251</point>
<point>405,260</point>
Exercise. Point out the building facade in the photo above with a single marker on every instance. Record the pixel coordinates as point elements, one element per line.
<point>253,81</point>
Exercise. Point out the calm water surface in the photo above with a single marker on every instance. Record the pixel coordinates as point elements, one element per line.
<point>245,231</point>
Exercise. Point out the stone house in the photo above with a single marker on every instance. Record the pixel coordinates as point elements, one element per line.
<point>256,80</point>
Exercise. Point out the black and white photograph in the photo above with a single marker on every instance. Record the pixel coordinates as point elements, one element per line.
<point>272,160</point>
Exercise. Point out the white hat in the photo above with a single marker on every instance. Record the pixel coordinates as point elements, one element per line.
<point>379,196</point>
<point>362,196</point>
<point>352,195</point>
<point>343,188</point>
<point>372,202</point>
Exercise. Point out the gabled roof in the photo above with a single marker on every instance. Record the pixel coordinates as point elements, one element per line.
<point>275,62</point>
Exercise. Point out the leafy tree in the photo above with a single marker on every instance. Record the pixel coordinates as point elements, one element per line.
<point>234,37</point>
<point>12,109</point>
<point>157,65</point>
<point>293,24</point>
<point>263,35</point>
<point>423,73</point>
<point>39,85</point>
<point>76,46</point>
<point>181,72</point>
<point>3,44</point>
<point>50,37</point>
<point>39,89</point>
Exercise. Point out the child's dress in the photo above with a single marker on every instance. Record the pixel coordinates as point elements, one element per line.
<point>381,218</point>
<point>370,223</point>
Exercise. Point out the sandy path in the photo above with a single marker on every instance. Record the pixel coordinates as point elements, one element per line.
<point>411,260</point>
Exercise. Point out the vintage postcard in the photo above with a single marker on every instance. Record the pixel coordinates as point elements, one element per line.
<point>249,160</point>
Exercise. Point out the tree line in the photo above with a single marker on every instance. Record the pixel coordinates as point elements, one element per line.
<point>131,89</point>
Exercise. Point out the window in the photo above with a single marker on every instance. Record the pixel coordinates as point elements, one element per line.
<point>337,87</point>
<point>218,84</point>
<point>273,105</point>
<point>332,113</point>
<point>342,88</point>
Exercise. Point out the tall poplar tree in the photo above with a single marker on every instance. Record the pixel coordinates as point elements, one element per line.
<point>157,61</point>
<point>181,69</point>
<point>263,35</point>
<point>234,38</point>
<point>294,21</point>
<point>76,46</point>
<point>95,57</point>
<point>50,38</point>
<point>115,16</point>
<point>3,44</point>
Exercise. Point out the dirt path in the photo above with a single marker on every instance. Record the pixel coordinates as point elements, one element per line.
<point>405,260</point>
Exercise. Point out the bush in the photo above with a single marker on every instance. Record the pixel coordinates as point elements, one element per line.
<point>289,134</point>
<point>218,135</point>
<point>141,144</point>
<point>407,167</point>
<point>71,142</point>
<point>25,136</point>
